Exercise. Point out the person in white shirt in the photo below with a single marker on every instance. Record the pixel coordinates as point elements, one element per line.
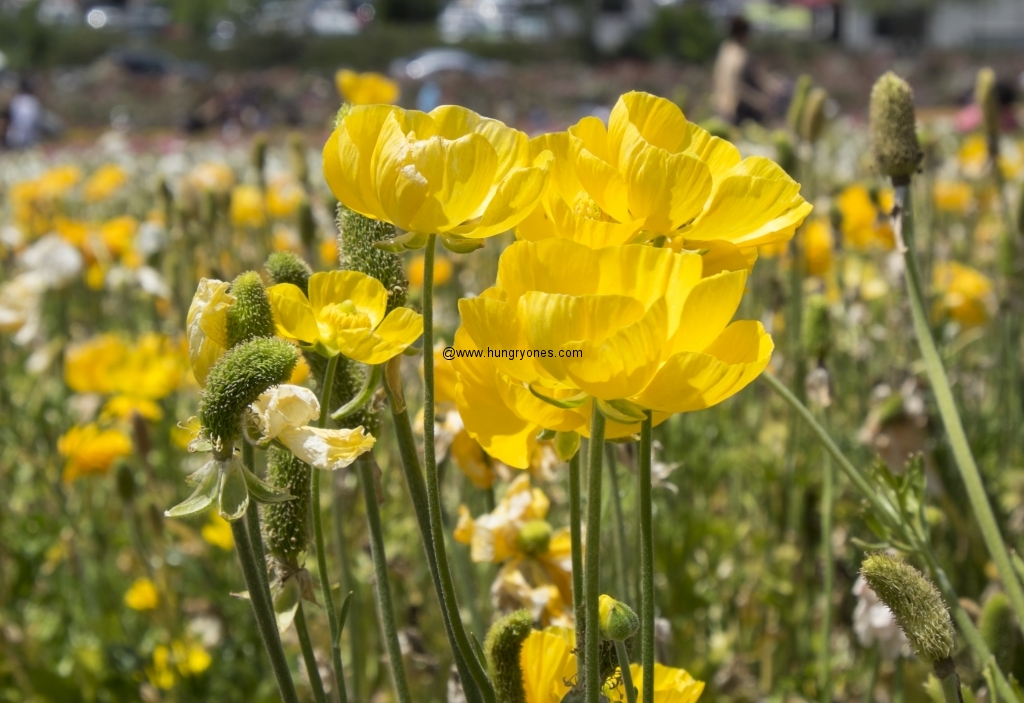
<point>739,90</point>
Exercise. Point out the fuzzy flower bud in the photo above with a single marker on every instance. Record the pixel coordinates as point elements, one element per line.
<point>999,630</point>
<point>285,524</point>
<point>534,537</point>
<point>307,225</point>
<point>817,328</point>
<point>795,113</point>
<point>812,122</point>
<point>893,131</point>
<point>237,380</point>
<point>356,252</point>
<point>251,316</point>
<point>988,102</point>
<point>916,604</point>
<point>286,267</point>
<point>618,621</point>
<point>258,156</point>
<point>502,648</point>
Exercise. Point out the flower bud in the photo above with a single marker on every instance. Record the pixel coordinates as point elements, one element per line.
<point>893,132</point>
<point>285,524</point>
<point>286,267</point>
<point>988,102</point>
<point>237,380</point>
<point>534,537</point>
<point>916,604</point>
<point>812,122</point>
<point>999,630</point>
<point>258,156</point>
<point>618,621</point>
<point>502,648</point>
<point>566,445</point>
<point>307,225</point>
<point>251,315</point>
<point>817,328</point>
<point>297,153</point>
<point>356,252</point>
<point>785,154</point>
<point>795,113</point>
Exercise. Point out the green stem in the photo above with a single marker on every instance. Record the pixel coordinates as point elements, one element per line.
<point>252,522</point>
<point>318,535</point>
<point>627,675</point>
<point>874,659</point>
<point>448,600</point>
<point>828,568</point>
<point>644,501</point>
<point>951,688</point>
<point>904,231</point>
<point>307,655</point>
<point>897,682</point>
<point>264,611</point>
<point>576,538</point>
<point>380,574</point>
<point>592,560</point>
<point>621,568</point>
<point>354,632</point>
<point>418,492</point>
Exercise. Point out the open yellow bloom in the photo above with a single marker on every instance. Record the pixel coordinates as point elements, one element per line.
<point>448,172</point>
<point>218,532</point>
<point>142,595</point>
<point>818,244</point>
<point>207,325</point>
<point>344,314</point>
<point>366,88</point>
<point>90,451</point>
<point>967,294</point>
<point>247,206</point>
<point>956,197</point>
<point>105,182</point>
<point>628,323</point>
<point>651,172</point>
<point>181,658</point>
<point>283,197</point>
<point>450,435</point>
<point>865,225</point>
<point>670,685</point>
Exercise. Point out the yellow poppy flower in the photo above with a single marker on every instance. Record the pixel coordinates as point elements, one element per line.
<point>107,180</point>
<point>206,325</point>
<point>818,245</point>
<point>181,658</point>
<point>629,323</point>
<point>71,231</point>
<point>956,197</point>
<point>90,451</point>
<point>966,293</point>
<point>283,197</point>
<point>344,314</point>
<point>366,88</point>
<point>218,532</point>
<point>547,663</point>
<point>448,172</point>
<point>92,366</point>
<point>58,181</point>
<point>864,225</point>
<point>651,172</point>
<point>247,206</point>
<point>670,685</point>
<point>142,595</point>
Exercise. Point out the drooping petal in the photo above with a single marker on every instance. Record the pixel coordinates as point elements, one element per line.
<point>206,324</point>
<point>666,189</point>
<point>656,120</point>
<point>285,406</point>
<point>348,158</point>
<point>293,316</point>
<point>327,449</point>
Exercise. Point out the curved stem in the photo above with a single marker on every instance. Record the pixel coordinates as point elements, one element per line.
<point>362,397</point>
<point>380,574</point>
<point>576,538</point>
<point>592,560</point>
<point>448,601</point>
<point>307,655</point>
<point>264,611</point>
<point>904,231</point>
<point>318,535</point>
<point>627,675</point>
<point>644,501</point>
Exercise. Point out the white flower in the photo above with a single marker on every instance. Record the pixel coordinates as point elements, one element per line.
<point>285,406</point>
<point>53,258</point>
<point>21,300</point>
<point>874,623</point>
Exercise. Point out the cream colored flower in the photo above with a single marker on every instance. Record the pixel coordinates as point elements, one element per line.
<point>206,325</point>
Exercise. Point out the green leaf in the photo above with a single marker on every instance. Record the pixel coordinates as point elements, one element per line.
<point>569,403</point>
<point>621,411</point>
<point>545,435</point>
<point>566,445</point>
<point>202,497</point>
<point>263,492</point>
<point>286,604</point>
<point>233,497</point>
<point>343,614</point>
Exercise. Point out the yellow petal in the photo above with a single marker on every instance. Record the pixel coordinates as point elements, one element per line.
<point>349,154</point>
<point>667,189</point>
<point>514,199</point>
<point>708,309</point>
<point>510,145</point>
<point>327,449</point>
<point>293,316</point>
<point>399,329</point>
<point>658,121</point>
<point>547,663</point>
<point>493,324</point>
<point>718,154</point>
<point>719,255</point>
<point>365,88</point>
<point>206,324</point>
<point>693,380</point>
<point>602,182</point>
<point>365,292</point>
<point>563,177</point>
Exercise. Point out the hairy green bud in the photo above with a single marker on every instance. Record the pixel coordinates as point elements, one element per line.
<point>999,630</point>
<point>618,621</point>
<point>307,225</point>
<point>297,154</point>
<point>356,252</point>
<point>893,132</point>
<point>817,328</point>
<point>813,120</point>
<point>988,101</point>
<point>795,112</point>
<point>502,647</point>
<point>286,267</point>
<point>285,527</point>
<point>534,536</point>
<point>251,315</point>
<point>916,604</point>
<point>258,156</point>
<point>237,380</point>
<point>785,154</point>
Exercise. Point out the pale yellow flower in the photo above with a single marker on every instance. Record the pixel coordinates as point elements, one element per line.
<point>104,183</point>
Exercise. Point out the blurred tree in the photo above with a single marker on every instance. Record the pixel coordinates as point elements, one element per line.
<point>684,31</point>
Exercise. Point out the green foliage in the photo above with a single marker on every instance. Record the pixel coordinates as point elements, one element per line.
<point>999,629</point>
<point>357,235</point>
<point>251,315</point>
<point>684,31</point>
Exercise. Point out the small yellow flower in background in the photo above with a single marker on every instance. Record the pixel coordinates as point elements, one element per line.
<point>864,223</point>
<point>211,176</point>
<point>344,314</point>
<point>283,197</point>
<point>301,372</point>
<point>105,182</point>
<point>247,207</point>
<point>448,172</point>
<point>142,595</point>
<point>966,293</point>
<point>90,451</point>
<point>92,366</point>
<point>973,160</point>
<point>118,235</point>
<point>442,271</point>
<point>71,231</point>
<point>58,181</point>
<point>180,659</point>
<point>218,532</point>
<point>955,197</point>
<point>366,88</point>
<point>96,276</point>
<point>329,252</point>
<point>818,247</point>
<point>864,278</point>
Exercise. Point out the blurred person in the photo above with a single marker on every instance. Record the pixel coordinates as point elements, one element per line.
<point>24,118</point>
<point>740,90</point>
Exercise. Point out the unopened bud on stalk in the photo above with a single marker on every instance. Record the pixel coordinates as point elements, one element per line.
<point>988,102</point>
<point>534,537</point>
<point>893,132</point>
<point>785,154</point>
<point>817,328</point>
<point>236,381</point>
<point>285,524</point>
<point>999,630</point>
<point>794,115</point>
<point>297,152</point>
<point>307,225</point>
<point>502,648</point>
<point>258,157</point>
<point>618,621</point>
<point>915,603</point>
<point>287,267</point>
<point>356,252</point>
<point>251,315</point>
<point>566,445</point>
<point>812,122</point>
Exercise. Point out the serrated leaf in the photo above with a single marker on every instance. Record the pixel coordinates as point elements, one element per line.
<point>202,497</point>
<point>569,403</point>
<point>263,492</point>
<point>621,411</point>
<point>233,496</point>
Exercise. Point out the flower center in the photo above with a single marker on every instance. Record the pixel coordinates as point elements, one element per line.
<point>584,206</point>
<point>344,316</point>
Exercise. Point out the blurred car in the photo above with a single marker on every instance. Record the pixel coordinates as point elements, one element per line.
<point>433,61</point>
